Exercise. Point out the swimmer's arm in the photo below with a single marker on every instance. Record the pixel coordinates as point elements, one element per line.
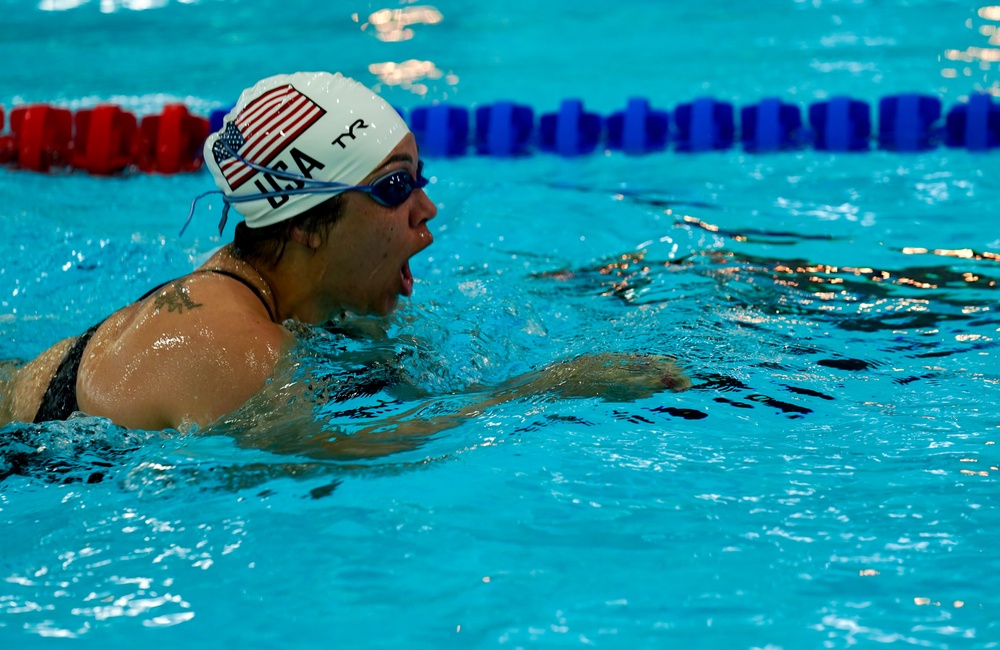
<point>619,378</point>
<point>611,377</point>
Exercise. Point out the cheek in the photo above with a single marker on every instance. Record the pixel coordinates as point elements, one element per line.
<point>374,248</point>
<point>386,237</point>
<point>375,239</point>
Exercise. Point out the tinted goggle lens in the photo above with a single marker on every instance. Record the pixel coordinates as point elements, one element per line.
<point>393,189</point>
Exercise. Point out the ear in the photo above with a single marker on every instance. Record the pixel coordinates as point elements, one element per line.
<point>310,240</point>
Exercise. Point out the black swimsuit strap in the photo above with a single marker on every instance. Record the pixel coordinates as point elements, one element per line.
<point>59,401</point>
<point>153,290</point>
<point>239,278</point>
<point>249,285</point>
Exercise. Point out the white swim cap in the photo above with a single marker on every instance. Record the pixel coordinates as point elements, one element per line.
<point>314,124</point>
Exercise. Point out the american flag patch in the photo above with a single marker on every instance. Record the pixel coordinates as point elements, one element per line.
<point>262,131</point>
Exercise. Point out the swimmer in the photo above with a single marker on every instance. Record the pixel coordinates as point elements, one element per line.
<point>328,180</point>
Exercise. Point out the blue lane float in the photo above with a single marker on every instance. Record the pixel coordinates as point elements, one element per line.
<point>771,125</point>
<point>841,124</point>
<point>504,129</point>
<point>975,125</point>
<point>638,129</point>
<point>570,132</point>
<point>216,119</point>
<point>441,129</point>
<point>704,125</point>
<point>906,122</point>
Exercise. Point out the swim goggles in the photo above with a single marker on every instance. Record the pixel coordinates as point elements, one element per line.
<point>394,188</point>
<point>390,190</point>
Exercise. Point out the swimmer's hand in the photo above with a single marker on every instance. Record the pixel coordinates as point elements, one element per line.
<point>608,376</point>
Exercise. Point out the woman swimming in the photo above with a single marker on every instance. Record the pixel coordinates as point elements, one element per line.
<point>201,345</point>
<point>328,180</point>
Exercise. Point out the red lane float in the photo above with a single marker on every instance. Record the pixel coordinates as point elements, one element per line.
<point>171,143</point>
<point>43,136</point>
<point>105,140</point>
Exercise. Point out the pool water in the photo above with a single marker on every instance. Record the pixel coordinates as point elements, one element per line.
<point>828,481</point>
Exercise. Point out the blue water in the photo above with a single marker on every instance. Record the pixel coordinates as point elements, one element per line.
<point>829,481</point>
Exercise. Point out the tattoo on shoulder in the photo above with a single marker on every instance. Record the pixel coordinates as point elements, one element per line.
<point>176,298</point>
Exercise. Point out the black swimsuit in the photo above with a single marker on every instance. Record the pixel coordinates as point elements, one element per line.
<point>59,401</point>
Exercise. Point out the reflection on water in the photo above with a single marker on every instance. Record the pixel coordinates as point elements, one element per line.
<point>628,275</point>
<point>409,74</point>
<point>108,6</point>
<point>970,54</point>
<point>393,25</point>
<point>981,56</point>
<point>60,5</point>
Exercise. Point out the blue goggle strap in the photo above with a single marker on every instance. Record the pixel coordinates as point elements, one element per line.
<point>310,186</point>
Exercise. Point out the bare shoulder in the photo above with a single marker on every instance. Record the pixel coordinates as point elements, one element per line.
<point>211,305</point>
<point>193,351</point>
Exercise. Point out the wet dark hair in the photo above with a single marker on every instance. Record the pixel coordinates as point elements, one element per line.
<point>266,245</point>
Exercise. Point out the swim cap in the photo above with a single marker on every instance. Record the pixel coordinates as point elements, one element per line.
<point>316,125</point>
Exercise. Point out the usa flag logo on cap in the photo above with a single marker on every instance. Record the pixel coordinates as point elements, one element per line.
<point>262,130</point>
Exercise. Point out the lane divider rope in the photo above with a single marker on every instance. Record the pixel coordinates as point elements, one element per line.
<point>107,139</point>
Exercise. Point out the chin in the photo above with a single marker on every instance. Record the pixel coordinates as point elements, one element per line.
<point>390,306</point>
<point>384,308</point>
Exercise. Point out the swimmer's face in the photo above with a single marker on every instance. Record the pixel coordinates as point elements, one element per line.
<point>371,244</point>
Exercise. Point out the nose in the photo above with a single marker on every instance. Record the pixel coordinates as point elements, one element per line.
<point>424,209</point>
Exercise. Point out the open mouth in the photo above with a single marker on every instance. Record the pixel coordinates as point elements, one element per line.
<point>405,274</point>
<point>406,278</point>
